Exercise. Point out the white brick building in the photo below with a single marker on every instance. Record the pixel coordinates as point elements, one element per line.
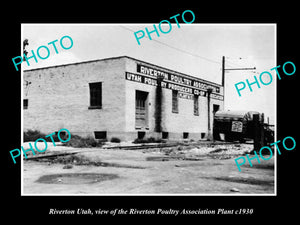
<point>118,97</point>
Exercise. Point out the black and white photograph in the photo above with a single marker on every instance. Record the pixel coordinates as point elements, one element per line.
<point>149,113</point>
<point>165,114</point>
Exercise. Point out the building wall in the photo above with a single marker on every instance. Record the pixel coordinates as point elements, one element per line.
<point>173,123</point>
<point>59,97</point>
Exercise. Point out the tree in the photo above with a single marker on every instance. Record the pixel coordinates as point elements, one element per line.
<point>25,42</point>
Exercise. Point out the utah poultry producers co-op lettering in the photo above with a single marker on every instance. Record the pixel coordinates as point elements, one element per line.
<point>187,87</point>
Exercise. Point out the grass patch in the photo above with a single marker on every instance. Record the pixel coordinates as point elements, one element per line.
<point>33,135</point>
<point>148,140</point>
<point>75,141</point>
<point>80,142</point>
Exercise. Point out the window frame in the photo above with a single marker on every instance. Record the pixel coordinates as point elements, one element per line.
<point>185,135</point>
<point>25,106</point>
<point>100,135</point>
<point>175,108</point>
<point>196,105</point>
<point>95,89</point>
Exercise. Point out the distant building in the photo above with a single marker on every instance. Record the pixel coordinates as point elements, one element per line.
<point>119,97</point>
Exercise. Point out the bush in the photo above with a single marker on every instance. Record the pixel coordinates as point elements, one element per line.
<point>32,135</point>
<point>139,141</point>
<point>80,142</point>
<point>148,140</point>
<point>151,140</point>
<point>75,141</point>
<point>115,140</point>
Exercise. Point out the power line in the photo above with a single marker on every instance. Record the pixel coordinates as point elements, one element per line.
<point>233,63</point>
<point>178,49</point>
<point>228,64</point>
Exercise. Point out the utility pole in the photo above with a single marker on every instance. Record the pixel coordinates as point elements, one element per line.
<point>209,134</point>
<point>158,105</point>
<point>223,75</point>
<point>258,132</point>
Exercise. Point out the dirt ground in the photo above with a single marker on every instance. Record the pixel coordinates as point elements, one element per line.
<point>183,169</point>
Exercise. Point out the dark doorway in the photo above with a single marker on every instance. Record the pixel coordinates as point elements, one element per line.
<point>141,109</point>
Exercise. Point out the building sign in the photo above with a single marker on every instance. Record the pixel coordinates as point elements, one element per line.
<point>177,79</point>
<point>182,89</point>
<point>237,126</point>
<point>185,96</point>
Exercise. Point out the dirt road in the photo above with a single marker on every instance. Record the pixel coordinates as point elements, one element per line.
<point>148,171</point>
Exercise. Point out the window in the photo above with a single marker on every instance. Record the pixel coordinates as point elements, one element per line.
<point>95,95</point>
<point>165,135</point>
<point>174,101</point>
<point>215,108</point>
<point>25,103</point>
<point>196,105</point>
<point>202,135</point>
<point>185,135</point>
<point>141,134</point>
<point>100,134</point>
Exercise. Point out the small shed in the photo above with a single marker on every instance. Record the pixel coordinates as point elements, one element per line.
<point>235,125</point>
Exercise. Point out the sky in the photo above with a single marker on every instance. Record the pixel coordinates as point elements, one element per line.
<point>193,49</point>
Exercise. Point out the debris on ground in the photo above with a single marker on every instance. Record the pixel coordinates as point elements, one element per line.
<point>216,151</point>
<point>165,152</point>
<point>80,159</point>
<point>68,166</point>
<point>234,190</point>
<point>193,168</point>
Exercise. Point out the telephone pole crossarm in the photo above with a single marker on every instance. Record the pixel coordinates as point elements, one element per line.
<point>254,68</point>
